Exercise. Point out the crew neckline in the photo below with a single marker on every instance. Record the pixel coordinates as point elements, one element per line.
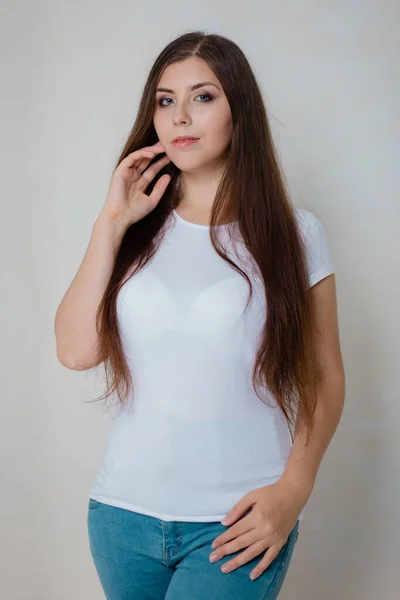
<point>198,225</point>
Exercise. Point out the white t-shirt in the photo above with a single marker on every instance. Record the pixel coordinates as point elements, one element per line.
<point>196,438</point>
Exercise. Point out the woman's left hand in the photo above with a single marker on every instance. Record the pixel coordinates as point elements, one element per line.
<point>275,510</point>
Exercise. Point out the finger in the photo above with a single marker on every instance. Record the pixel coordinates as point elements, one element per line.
<point>159,189</point>
<point>140,164</point>
<point>145,161</point>
<point>242,541</point>
<point>149,174</point>
<point>242,526</point>
<point>138,155</point>
<point>244,557</point>
<point>133,160</point>
<point>149,155</point>
<point>143,164</point>
<point>240,509</point>
<point>265,562</point>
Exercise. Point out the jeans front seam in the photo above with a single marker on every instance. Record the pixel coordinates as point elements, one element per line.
<point>163,543</point>
<point>180,537</point>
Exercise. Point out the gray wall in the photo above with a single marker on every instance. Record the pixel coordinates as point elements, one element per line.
<point>72,76</point>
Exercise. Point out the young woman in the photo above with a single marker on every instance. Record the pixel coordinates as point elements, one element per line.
<point>210,299</point>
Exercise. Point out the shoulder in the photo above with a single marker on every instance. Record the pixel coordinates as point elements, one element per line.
<point>311,227</point>
<point>320,258</point>
<point>303,217</point>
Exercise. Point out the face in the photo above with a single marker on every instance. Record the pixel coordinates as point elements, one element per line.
<point>203,113</point>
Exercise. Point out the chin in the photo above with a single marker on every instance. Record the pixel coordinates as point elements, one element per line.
<point>188,168</point>
<point>188,163</point>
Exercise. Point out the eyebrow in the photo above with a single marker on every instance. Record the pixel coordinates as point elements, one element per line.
<point>194,87</point>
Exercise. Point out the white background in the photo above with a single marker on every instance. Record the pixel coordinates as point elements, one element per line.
<point>72,75</point>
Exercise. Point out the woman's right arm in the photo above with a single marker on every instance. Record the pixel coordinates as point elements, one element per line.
<point>126,203</point>
<point>75,321</point>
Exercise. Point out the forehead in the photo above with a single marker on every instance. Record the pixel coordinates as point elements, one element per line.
<point>187,73</point>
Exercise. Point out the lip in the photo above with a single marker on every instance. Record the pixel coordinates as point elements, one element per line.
<point>184,141</point>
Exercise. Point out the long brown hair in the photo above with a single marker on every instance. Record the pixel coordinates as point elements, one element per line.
<point>252,189</point>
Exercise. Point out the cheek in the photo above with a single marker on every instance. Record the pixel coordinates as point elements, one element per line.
<point>159,124</point>
<point>218,124</point>
<point>219,136</point>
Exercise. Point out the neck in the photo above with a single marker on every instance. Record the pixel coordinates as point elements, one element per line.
<point>197,193</point>
<point>198,188</point>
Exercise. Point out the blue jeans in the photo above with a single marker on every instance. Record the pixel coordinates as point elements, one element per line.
<point>139,557</point>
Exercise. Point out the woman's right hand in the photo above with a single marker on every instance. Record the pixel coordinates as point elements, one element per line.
<point>126,201</point>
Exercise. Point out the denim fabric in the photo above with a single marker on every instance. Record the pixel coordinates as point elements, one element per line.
<point>139,557</point>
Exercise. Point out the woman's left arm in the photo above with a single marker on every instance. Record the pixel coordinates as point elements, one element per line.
<point>276,507</point>
<point>304,461</point>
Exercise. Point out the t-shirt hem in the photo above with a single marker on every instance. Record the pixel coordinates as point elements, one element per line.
<point>163,516</point>
<point>150,513</point>
<point>319,275</point>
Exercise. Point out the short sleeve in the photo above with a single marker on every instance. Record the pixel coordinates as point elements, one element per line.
<point>320,260</point>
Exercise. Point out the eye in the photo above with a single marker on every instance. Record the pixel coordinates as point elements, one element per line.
<point>206,95</point>
<point>160,102</point>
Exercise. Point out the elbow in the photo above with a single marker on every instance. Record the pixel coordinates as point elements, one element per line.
<point>67,362</point>
<point>76,365</point>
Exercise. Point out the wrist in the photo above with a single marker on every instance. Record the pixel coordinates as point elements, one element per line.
<point>109,232</point>
<point>299,485</point>
<point>110,226</point>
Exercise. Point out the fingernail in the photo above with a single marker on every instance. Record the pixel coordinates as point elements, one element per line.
<point>253,575</point>
<point>225,568</point>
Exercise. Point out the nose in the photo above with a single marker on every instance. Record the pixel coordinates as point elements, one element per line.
<point>180,116</point>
